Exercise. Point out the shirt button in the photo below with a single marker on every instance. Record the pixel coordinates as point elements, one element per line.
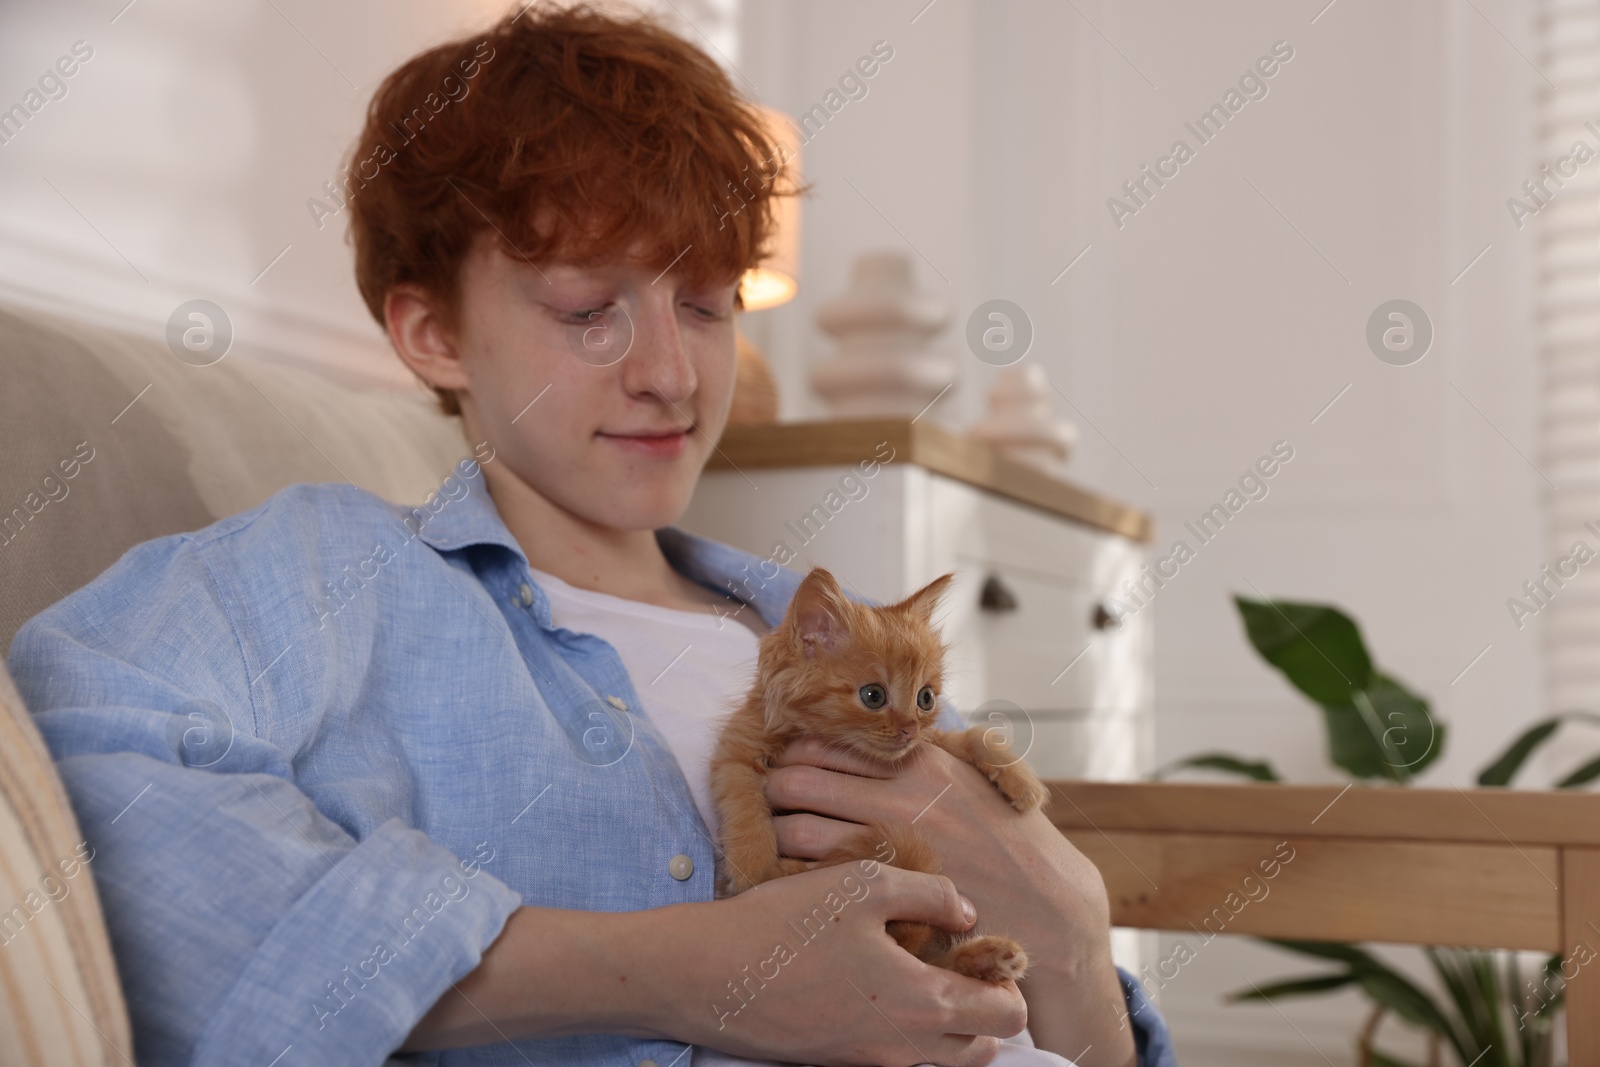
<point>526,593</point>
<point>680,867</point>
<point>647,1063</point>
<point>622,705</point>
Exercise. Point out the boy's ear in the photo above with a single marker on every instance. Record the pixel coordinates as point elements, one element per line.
<point>818,612</point>
<point>417,334</point>
<point>924,600</point>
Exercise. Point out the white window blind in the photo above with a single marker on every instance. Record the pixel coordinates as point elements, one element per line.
<point>1567,294</point>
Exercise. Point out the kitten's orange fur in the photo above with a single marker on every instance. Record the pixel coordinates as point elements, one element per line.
<point>813,670</point>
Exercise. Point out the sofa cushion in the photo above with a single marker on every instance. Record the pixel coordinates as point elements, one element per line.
<point>109,439</point>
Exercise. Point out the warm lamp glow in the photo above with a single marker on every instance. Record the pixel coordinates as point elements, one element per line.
<point>776,278</point>
<point>764,288</point>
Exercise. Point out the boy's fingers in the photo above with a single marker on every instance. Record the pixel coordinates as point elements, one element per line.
<point>970,1014</point>
<point>809,750</point>
<point>802,787</point>
<point>926,898</point>
<point>811,837</point>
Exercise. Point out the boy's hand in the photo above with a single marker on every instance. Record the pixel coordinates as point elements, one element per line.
<point>801,969</point>
<point>1026,879</point>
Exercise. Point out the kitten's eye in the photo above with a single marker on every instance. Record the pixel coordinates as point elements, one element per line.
<point>873,695</point>
<point>925,698</point>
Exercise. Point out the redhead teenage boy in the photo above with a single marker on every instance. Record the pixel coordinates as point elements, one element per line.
<point>449,823</point>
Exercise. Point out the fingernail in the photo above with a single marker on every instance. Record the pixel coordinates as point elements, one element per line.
<point>968,912</point>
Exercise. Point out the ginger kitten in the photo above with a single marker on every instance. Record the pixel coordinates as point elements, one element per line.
<point>866,680</point>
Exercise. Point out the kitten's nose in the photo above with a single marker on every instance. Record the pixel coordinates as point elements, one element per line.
<point>908,733</point>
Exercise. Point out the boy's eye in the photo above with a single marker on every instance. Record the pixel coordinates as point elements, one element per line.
<point>581,317</point>
<point>708,313</point>
<point>925,698</point>
<point>873,695</point>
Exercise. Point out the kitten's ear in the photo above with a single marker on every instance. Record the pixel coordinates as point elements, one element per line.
<point>818,611</point>
<point>924,600</point>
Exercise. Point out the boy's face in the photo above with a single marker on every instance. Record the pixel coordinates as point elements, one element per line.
<point>602,389</point>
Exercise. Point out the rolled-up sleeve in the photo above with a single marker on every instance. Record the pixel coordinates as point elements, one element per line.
<point>245,922</point>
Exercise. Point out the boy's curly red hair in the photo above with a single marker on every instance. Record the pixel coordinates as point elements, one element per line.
<point>572,134</point>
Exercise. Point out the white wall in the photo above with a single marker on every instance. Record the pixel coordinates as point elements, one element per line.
<point>180,162</point>
<point>1210,326</point>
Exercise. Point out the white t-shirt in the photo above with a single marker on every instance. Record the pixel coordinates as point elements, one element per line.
<point>691,669</point>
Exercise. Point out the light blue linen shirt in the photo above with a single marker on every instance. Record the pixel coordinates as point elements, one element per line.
<point>324,748</point>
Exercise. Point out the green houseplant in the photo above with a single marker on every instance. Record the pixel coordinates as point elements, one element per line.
<point>1490,1010</point>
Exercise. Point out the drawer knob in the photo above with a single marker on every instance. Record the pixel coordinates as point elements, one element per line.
<point>995,596</point>
<point>1103,619</point>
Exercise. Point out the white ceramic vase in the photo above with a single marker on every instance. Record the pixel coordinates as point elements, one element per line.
<point>1020,423</point>
<point>883,326</point>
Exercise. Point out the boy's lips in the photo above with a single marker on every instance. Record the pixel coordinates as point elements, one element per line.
<point>658,444</point>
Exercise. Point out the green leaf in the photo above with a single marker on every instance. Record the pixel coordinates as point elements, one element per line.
<point>1385,731</point>
<point>1452,967</point>
<point>1354,956</point>
<point>1291,987</point>
<point>1502,770</point>
<point>1316,646</point>
<point>1258,770</point>
<point>1404,999</point>
<point>1352,743</point>
<point>1411,738</point>
<point>1377,727</point>
<point>1383,1059</point>
<point>1530,1008</point>
<point>1505,768</point>
<point>1582,776</point>
<point>1537,998</point>
<point>1492,995</point>
<point>1384,985</point>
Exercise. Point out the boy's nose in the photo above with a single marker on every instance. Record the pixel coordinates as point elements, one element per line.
<point>661,363</point>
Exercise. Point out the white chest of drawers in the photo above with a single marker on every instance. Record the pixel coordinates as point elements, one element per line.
<point>887,505</point>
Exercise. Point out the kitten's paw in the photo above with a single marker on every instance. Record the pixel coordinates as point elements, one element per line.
<point>992,959</point>
<point>731,884</point>
<point>1014,778</point>
<point>1020,786</point>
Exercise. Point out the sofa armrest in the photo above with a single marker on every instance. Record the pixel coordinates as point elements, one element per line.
<point>60,999</point>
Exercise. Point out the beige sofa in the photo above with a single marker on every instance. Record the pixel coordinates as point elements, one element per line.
<point>108,440</point>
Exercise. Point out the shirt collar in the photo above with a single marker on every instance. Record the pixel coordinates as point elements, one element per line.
<point>461,513</point>
<point>758,581</point>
